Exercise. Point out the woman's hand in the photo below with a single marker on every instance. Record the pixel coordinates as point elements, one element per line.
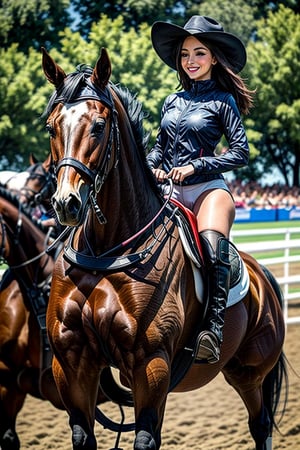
<point>160,175</point>
<point>178,174</point>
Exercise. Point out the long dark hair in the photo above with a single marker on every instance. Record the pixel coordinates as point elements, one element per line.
<point>224,76</point>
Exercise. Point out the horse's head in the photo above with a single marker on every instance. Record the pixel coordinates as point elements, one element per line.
<point>82,128</point>
<point>40,184</point>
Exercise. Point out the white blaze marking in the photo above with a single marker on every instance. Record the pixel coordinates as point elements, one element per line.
<point>72,114</point>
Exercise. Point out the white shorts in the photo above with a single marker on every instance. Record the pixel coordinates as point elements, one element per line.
<point>187,195</point>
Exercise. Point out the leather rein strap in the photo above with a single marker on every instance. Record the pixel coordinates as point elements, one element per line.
<point>116,263</point>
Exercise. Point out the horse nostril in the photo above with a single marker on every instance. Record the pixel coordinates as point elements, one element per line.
<point>68,208</point>
<point>73,205</point>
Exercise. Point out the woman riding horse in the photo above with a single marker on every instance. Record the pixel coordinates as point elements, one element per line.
<point>123,292</point>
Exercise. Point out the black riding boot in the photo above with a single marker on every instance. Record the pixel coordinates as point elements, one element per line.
<point>217,268</point>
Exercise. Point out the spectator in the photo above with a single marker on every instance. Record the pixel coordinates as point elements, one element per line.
<point>253,195</point>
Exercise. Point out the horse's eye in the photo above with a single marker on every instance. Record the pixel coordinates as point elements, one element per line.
<point>98,127</point>
<point>50,130</point>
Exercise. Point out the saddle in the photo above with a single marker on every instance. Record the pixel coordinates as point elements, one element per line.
<point>239,277</point>
<point>239,284</point>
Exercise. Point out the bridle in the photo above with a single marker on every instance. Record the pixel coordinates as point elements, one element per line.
<point>107,262</point>
<point>97,176</point>
<point>15,235</point>
<point>48,185</point>
<point>36,293</point>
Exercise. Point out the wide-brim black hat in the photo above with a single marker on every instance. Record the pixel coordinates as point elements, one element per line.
<point>166,37</point>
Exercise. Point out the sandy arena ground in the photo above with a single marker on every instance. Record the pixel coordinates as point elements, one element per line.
<point>212,418</point>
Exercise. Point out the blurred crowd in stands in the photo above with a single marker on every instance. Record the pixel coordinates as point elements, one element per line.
<point>253,195</point>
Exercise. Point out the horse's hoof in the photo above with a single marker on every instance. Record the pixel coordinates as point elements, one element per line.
<point>10,441</point>
<point>144,441</point>
<point>81,440</point>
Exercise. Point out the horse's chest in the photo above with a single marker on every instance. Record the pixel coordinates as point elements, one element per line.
<point>125,314</point>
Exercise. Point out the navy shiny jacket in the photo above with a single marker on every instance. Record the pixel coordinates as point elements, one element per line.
<point>192,125</point>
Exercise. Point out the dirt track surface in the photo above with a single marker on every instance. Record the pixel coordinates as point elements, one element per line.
<point>212,418</point>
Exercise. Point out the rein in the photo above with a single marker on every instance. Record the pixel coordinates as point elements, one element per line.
<point>16,239</point>
<point>97,177</point>
<point>104,262</point>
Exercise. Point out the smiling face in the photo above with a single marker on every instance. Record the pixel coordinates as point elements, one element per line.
<point>196,59</point>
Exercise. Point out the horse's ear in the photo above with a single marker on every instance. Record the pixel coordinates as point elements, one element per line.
<point>52,71</point>
<point>32,159</point>
<point>102,70</point>
<point>48,162</point>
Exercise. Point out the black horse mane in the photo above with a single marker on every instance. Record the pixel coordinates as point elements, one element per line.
<point>24,209</point>
<point>136,114</point>
<point>71,89</point>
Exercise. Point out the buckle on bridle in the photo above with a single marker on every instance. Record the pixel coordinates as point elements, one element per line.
<point>98,183</point>
<point>99,214</point>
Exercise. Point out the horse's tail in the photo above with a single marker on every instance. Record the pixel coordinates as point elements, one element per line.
<point>276,381</point>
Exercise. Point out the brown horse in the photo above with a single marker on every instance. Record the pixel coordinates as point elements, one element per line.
<point>13,350</point>
<point>123,290</point>
<point>25,356</point>
<point>39,187</point>
<point>20,341</point>
<point>24,349</point>
<point>15,181</point>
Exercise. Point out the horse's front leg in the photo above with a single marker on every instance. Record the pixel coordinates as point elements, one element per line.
<point>78,392</point>
<point>151,384</point>
<point>75,372</point>
<point>11,403</point>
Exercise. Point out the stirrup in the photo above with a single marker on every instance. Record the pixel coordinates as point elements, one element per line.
<point>207,348</point>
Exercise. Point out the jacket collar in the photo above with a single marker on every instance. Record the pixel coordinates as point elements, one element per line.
<point>202,87</point>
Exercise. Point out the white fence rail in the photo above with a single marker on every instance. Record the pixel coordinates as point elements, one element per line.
<point>286,245</point>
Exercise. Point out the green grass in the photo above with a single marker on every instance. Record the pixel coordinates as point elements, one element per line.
<point>266,225</point>
<point>251,226</point>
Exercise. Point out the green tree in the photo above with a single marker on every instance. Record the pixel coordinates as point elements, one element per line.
<point>263,7</point>
<point>274,70</point>
<point>23,96</point>
<point>134,62</point>
<point>24,91</point>
<point>32,23</point>
<point>134,12</point>
<point>236,16</point>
